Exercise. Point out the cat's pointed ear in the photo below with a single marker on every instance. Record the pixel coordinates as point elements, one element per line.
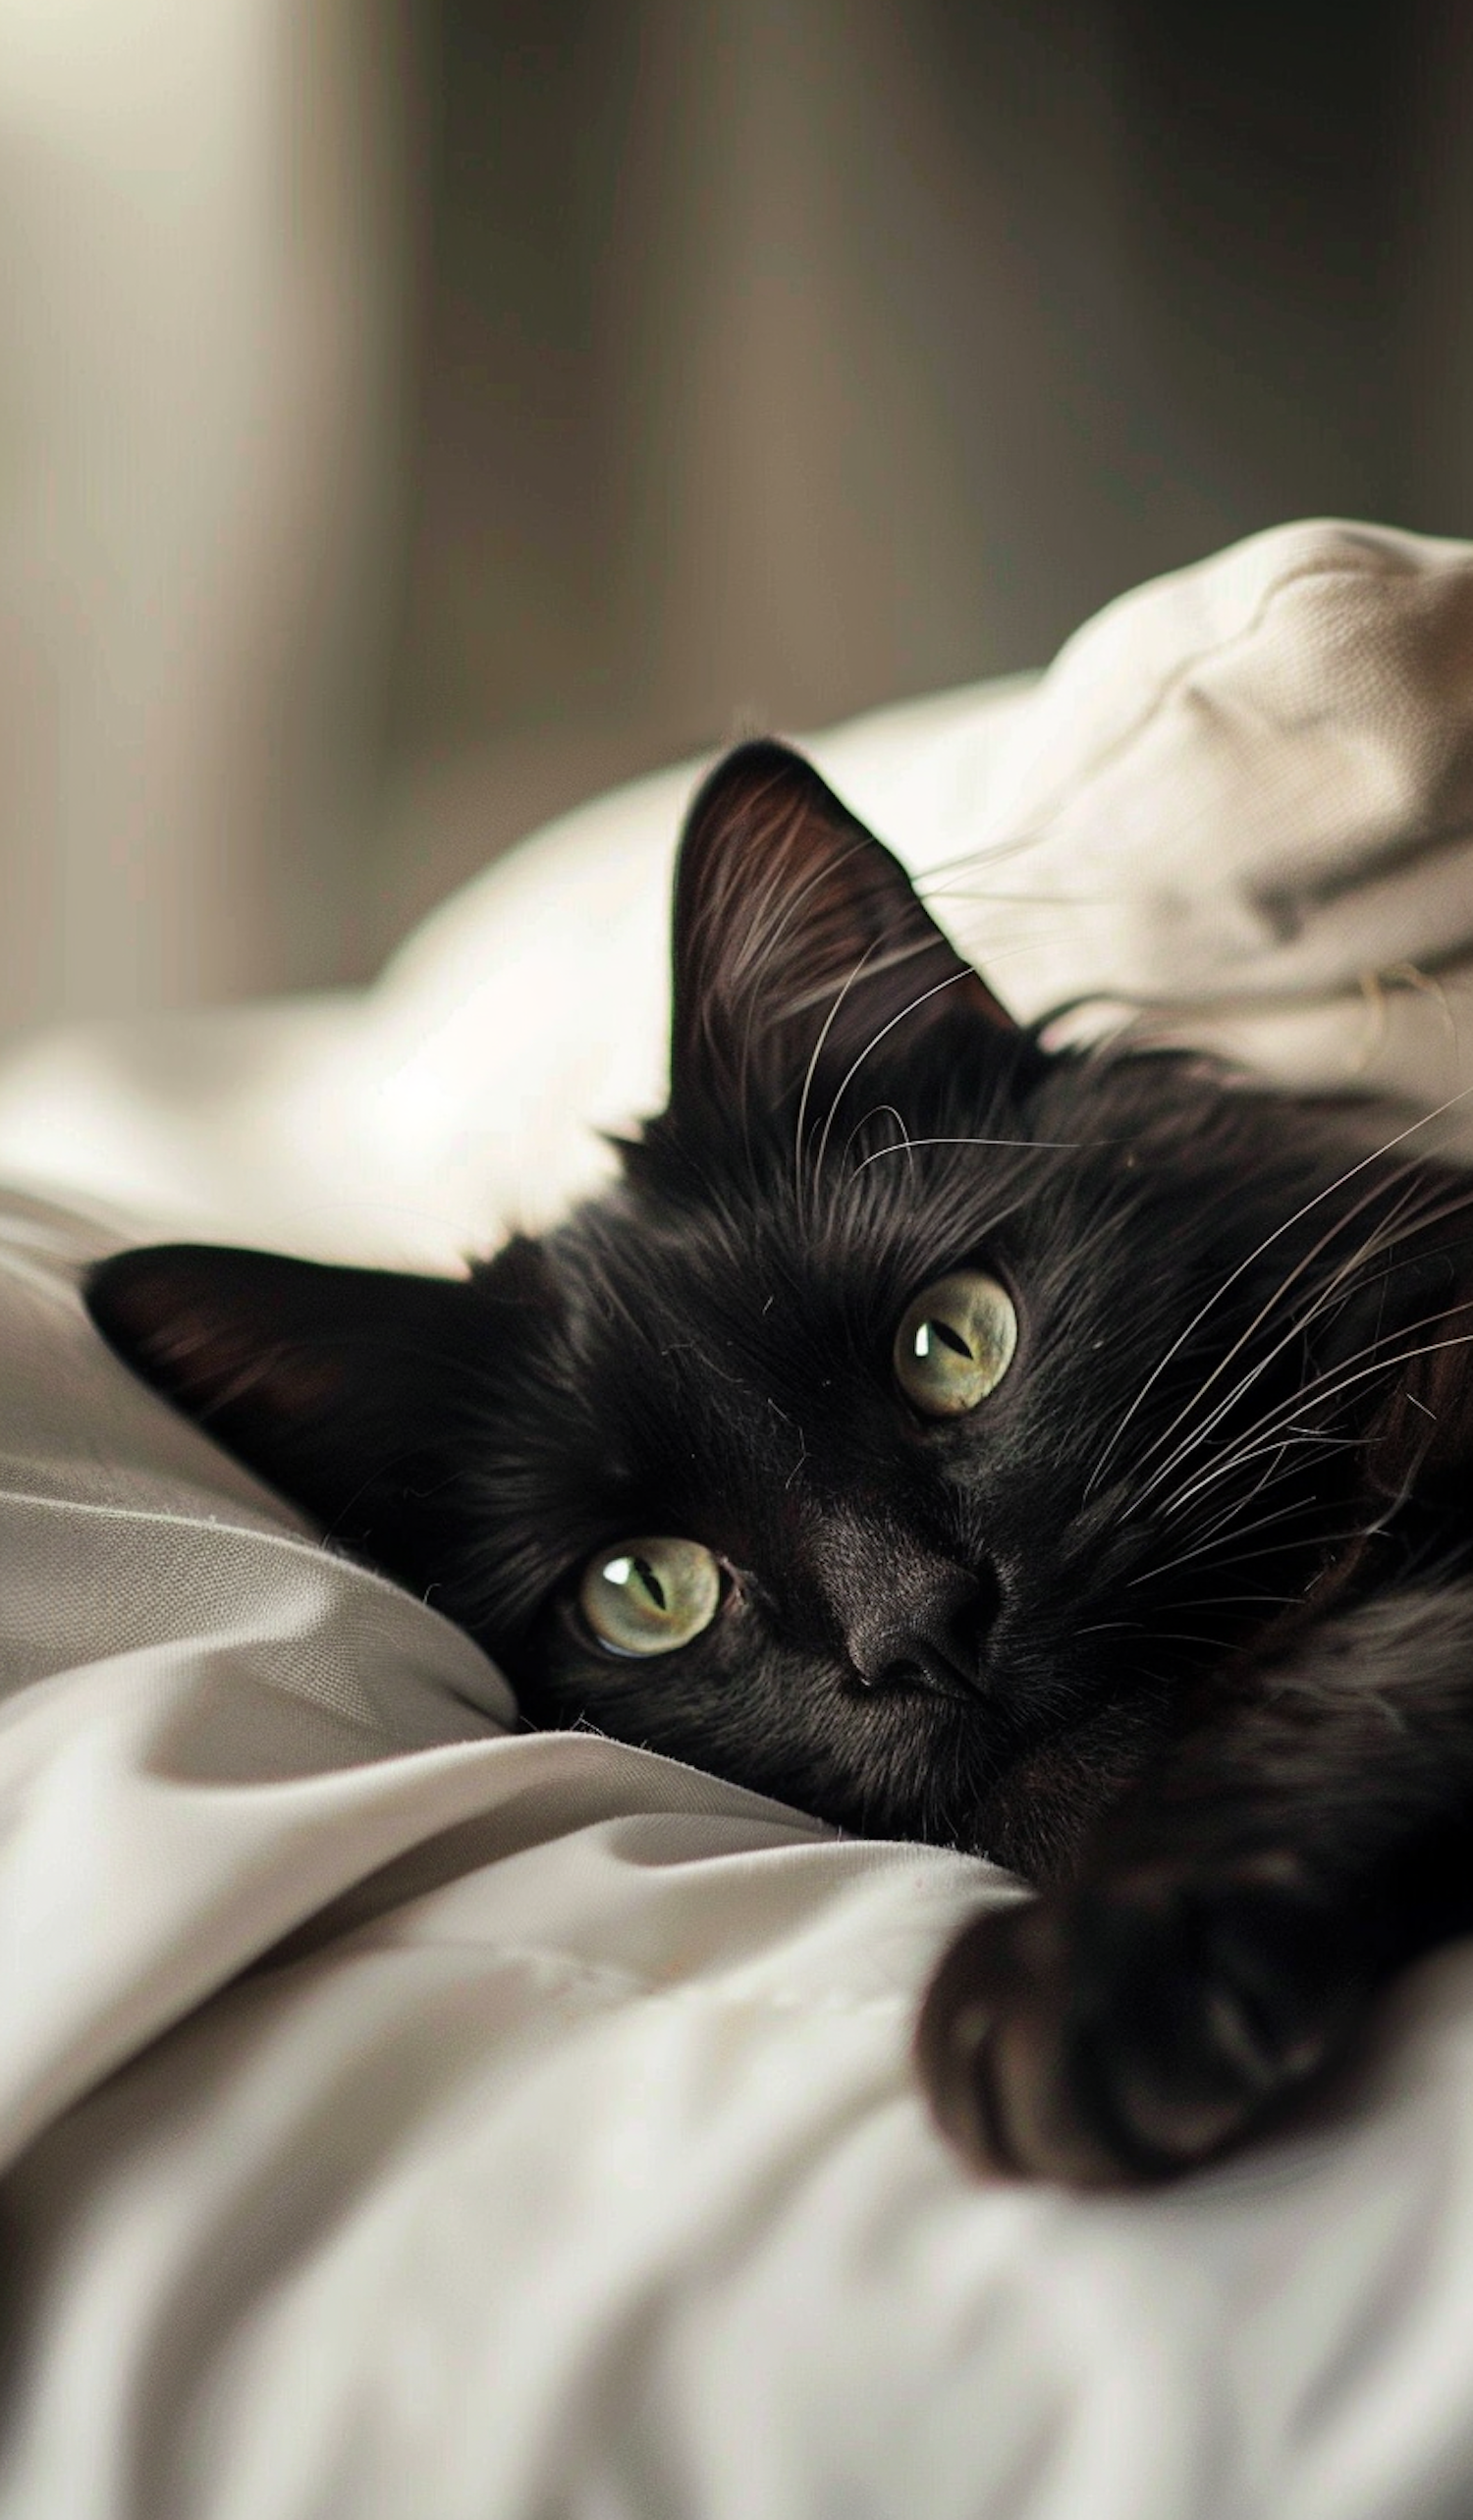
<point>799,943</point>
<point>345,1388</point>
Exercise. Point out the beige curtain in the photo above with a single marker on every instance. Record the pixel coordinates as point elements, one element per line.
<point>199,363</point>
<point>417,413</point>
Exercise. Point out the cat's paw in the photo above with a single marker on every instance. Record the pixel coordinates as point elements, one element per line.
<point>1132,2027</point>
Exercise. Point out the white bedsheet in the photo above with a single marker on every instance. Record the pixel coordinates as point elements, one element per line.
<point>535,2133</point>
<point>407,2116</point>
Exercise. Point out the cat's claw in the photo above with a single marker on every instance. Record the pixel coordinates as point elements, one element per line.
<point>1126,2030</point>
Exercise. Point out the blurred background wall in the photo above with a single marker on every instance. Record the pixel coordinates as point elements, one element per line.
<point>415,414</point>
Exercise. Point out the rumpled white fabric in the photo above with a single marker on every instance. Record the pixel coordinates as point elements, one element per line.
<point>405,2115</point>
<point>1241,799</point>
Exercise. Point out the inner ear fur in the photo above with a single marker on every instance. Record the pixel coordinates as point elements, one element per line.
<point>800,943</point>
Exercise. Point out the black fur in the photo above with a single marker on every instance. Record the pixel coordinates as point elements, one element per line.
<point>1177,1622</point>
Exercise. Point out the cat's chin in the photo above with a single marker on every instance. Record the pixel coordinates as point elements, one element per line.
<point>1040,1814</point>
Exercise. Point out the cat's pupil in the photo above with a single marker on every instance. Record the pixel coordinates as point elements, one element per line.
<point>650,1582</point>
<point>930,1331</point>
<point>629,1571</point>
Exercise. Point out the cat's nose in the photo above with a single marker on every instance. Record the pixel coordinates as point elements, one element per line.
<point>927,1635</point>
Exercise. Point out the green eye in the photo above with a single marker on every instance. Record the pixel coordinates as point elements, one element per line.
<point>955,1343</point>
<point>650,1596</point>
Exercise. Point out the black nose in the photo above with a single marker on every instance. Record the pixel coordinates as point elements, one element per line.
<point>930,1633</point>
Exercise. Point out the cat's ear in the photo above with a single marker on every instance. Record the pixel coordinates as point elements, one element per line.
<point>799,943</point>
<point>348,1389</point>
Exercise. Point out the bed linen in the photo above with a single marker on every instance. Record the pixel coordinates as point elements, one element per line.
<point>1239,803</point>
<point>403,2114</point>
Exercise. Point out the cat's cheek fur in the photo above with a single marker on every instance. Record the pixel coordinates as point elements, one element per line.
<point>1130,2030</point>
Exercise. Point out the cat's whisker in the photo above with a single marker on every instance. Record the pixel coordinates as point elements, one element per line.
<point>1280,1469</point>
<point>1245,1557</point>
<point>903,1145</point>
<point>1309,1392</point>
<point>1242,1600</point>
<point>1287,1225</point>
<point>1228,1522</point>
<point>911,1008</point>
<point>1274,1448</point>
<point>1385,1236</point>
<point>1019,1146</point>
<point>1207,1545</point>
<point>1187,1637</point>
<point>750,930</point>
<point>759,939</point>
<point>1265,1312</point>
<point>990,854</point>
<point>1335,1388</point>
<point>812,1070</point>
<point>1242,1457</point>
<point>1181,1459</point>
<point>1397,1230</point>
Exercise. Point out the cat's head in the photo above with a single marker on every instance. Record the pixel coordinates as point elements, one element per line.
<point>903,1433</point>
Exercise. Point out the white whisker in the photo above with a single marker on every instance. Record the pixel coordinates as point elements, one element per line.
<point>873,1044</point>
<point>1385,1237</point>
<point>1285,1226</point>
<point>1022,1146</point>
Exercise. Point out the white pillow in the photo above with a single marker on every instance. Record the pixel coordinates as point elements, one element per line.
<point>1243,798</point>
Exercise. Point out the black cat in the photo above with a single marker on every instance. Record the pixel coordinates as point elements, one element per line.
<point>1057,1455</point>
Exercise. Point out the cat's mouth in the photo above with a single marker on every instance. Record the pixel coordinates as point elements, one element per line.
<point>1034,1753</point>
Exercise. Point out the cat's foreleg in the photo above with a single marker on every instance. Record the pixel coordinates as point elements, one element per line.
<point>1232,1921</point>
